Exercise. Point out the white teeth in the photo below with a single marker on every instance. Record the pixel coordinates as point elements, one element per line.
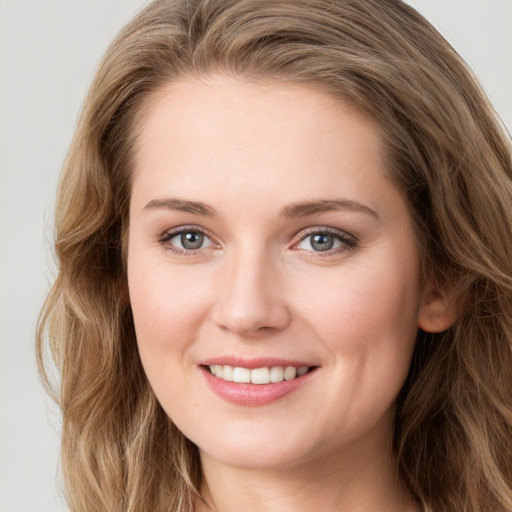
<point>276,374</point>
<point>264,375</point>
<point>227,373</point>
<point>241,374</point>
<point>290,373</point>
<point>260,376</point>
<point>302,371</point>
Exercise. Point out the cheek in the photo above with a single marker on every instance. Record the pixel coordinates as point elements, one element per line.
<point>367,301</point>
<point>368,325</point>
<point>167,309</point>
<point>167,305</point>
<point>368,322</point>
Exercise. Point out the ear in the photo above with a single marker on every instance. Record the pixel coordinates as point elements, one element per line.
<point>438,311</point>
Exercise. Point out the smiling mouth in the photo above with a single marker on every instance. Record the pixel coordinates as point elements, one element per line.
<point>263,375</point>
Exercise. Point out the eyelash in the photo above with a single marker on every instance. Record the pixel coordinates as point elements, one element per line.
<point>166,237</point>
<point>348,242</point>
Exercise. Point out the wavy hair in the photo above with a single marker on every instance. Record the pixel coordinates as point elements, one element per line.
<point>446,151</point>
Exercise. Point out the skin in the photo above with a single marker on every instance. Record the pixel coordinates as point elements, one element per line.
<point>257,288</point>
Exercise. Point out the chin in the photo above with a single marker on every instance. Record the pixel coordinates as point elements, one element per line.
<point>271,457</point>
<point>256,450</point>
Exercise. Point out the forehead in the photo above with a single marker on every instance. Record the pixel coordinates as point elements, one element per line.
<point>255,108</point>
<point>230,136</point>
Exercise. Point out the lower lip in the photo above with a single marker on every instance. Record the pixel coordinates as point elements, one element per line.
<point>254,395</point>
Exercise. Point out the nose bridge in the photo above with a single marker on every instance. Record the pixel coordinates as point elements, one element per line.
<point>249,299</point>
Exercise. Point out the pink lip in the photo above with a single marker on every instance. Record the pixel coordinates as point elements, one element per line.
<point>253,394</point>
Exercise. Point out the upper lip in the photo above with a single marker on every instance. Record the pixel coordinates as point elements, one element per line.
<point>255,362</point>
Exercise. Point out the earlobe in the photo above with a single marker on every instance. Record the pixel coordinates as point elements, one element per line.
<point>437,313</point>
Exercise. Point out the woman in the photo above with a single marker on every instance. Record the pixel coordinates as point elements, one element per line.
<point>284,267</point>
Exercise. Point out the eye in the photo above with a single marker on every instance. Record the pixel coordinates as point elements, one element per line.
<point>326,241</point>
<point>185,240</point>
<point>190,240</point>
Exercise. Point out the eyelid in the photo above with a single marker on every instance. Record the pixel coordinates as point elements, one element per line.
<point>165,237</point>
<point>349,241</point>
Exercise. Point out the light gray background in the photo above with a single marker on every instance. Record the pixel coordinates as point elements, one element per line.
<point>48,52</point>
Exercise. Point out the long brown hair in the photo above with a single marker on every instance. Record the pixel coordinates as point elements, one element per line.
<point>445,150</point>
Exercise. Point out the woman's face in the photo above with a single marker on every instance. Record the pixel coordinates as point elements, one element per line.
<point>265,235</point>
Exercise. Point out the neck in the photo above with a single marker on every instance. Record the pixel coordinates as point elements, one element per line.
<point>363,480</point>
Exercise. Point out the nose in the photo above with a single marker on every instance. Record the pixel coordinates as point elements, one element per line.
<point>249,298</point>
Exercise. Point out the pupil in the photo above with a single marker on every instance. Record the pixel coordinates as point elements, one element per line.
<point>192,240</point>
<point>322,242</point>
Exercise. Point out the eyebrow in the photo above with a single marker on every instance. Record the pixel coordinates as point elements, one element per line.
<point>182,205</point>
<point>326,205</point>
<point>302,209</point>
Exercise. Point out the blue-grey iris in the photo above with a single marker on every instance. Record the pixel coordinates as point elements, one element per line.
<point>322,242</point>
<point>192,240</point>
